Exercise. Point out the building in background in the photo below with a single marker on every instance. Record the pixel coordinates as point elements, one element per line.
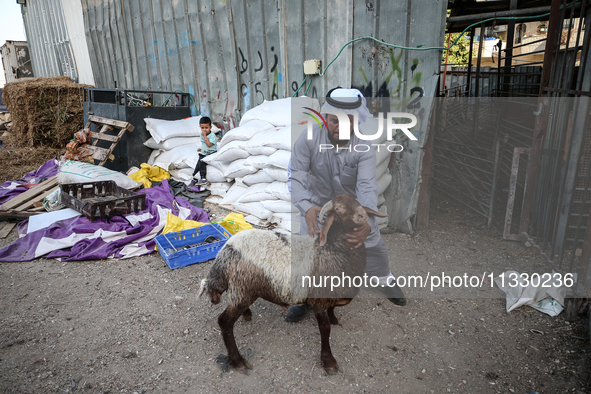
<point>16,61</point>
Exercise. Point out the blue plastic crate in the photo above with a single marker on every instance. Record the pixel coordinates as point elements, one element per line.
<point>177,250</point>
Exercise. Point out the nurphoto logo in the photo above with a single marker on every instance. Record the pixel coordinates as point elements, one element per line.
<point>345,128</point>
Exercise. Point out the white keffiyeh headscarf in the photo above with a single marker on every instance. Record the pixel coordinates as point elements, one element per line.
<point>349,101</point>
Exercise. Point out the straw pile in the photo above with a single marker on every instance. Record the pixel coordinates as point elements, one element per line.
<point>45,111</point>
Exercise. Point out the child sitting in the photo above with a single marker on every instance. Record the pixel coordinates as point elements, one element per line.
<point>209,145</point>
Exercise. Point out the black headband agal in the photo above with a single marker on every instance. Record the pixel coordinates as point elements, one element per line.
<point>343,104</point>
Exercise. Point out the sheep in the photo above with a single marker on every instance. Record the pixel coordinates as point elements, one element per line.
<point>270,265</point>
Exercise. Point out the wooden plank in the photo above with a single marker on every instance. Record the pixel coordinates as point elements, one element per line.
<point>100,156</point>
<point>29,194</point>
<point>424,201</point>
<point>101,132</point>
<point>4,231</point>
<point>31,202</point>
<point>105,137</point>
<point>95,149</point>
<point>11,215</point>
<point>111,122</point>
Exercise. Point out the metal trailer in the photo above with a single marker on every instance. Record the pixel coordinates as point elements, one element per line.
<point>16,61</point>
<point>125,105</point>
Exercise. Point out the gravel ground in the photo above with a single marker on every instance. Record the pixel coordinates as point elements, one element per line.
<point>135,326</point>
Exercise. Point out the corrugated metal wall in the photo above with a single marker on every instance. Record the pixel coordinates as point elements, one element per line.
<point>49,43</point>
<point>74,20</point>
<point>234,54</point>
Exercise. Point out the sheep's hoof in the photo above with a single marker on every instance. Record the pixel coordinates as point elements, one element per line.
<point>331,370</point>
<point>244,367</point>
<point>330,365</point>
<point>247,315</point>
<point>333,321</point>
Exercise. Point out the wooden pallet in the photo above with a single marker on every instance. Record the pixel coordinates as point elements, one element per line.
<point>27,203</point>
<point>103,125</point>
<point>30,202</point>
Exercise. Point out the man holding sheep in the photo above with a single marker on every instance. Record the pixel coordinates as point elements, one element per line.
<point>319,175</point>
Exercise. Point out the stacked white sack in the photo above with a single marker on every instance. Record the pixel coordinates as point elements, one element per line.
<point>255,156</point>
<point>383,149</point>
<point>175,144</point>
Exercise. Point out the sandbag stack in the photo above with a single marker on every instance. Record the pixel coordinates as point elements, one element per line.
<point>249,171</point>
<point>383,149</point>
<point>175,144</point>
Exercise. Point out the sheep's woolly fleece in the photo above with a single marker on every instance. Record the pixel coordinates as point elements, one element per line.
<point>283,259</point>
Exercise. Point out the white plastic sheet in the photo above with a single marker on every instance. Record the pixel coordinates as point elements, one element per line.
<point>547,296</point>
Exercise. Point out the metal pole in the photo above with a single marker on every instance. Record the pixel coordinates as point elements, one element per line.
<point>446,58</point>
<point>486,15</point>
<point>480,45</point>
<point>541,115</point>
<point>500,45</point>
<point>509,51</point>
<point>470,61</point>
<point>494,181</point>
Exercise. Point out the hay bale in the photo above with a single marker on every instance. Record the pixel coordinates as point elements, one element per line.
<point>45,111</point>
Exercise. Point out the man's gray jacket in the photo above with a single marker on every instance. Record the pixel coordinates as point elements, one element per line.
<point>318,176</point>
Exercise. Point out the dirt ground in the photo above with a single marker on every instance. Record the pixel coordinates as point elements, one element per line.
<point>135,326</point>
<point>16,161</point>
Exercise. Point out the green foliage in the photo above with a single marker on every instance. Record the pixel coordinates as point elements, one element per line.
<point>459,53</point>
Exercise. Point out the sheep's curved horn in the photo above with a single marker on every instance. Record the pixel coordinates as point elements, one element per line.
<point>327,207</point>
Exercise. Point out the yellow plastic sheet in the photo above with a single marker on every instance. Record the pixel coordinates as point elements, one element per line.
<point>149,173</point>
<point>174,223</point>
<point>234,223</point>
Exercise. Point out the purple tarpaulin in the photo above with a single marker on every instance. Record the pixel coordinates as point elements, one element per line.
<point>119,237</point>
<point>11,189</point>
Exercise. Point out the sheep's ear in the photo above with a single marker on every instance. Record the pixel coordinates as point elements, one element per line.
<point>374,213</point>
<point>325,227</point>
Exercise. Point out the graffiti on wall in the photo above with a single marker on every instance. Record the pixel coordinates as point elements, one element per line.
<point>392,96</point>
<point>250,98</point>
<point>161,49</point>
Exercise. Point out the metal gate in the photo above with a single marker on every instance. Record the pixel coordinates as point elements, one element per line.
<point>557,198</point>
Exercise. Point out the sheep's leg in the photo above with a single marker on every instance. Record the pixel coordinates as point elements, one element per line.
<point>226,322</point>
<point>328,361</point>
<point>247,314</point>
<point>331,316</point>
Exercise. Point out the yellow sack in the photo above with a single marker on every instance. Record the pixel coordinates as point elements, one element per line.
<point>234,223</point>
<point>149,173</point>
